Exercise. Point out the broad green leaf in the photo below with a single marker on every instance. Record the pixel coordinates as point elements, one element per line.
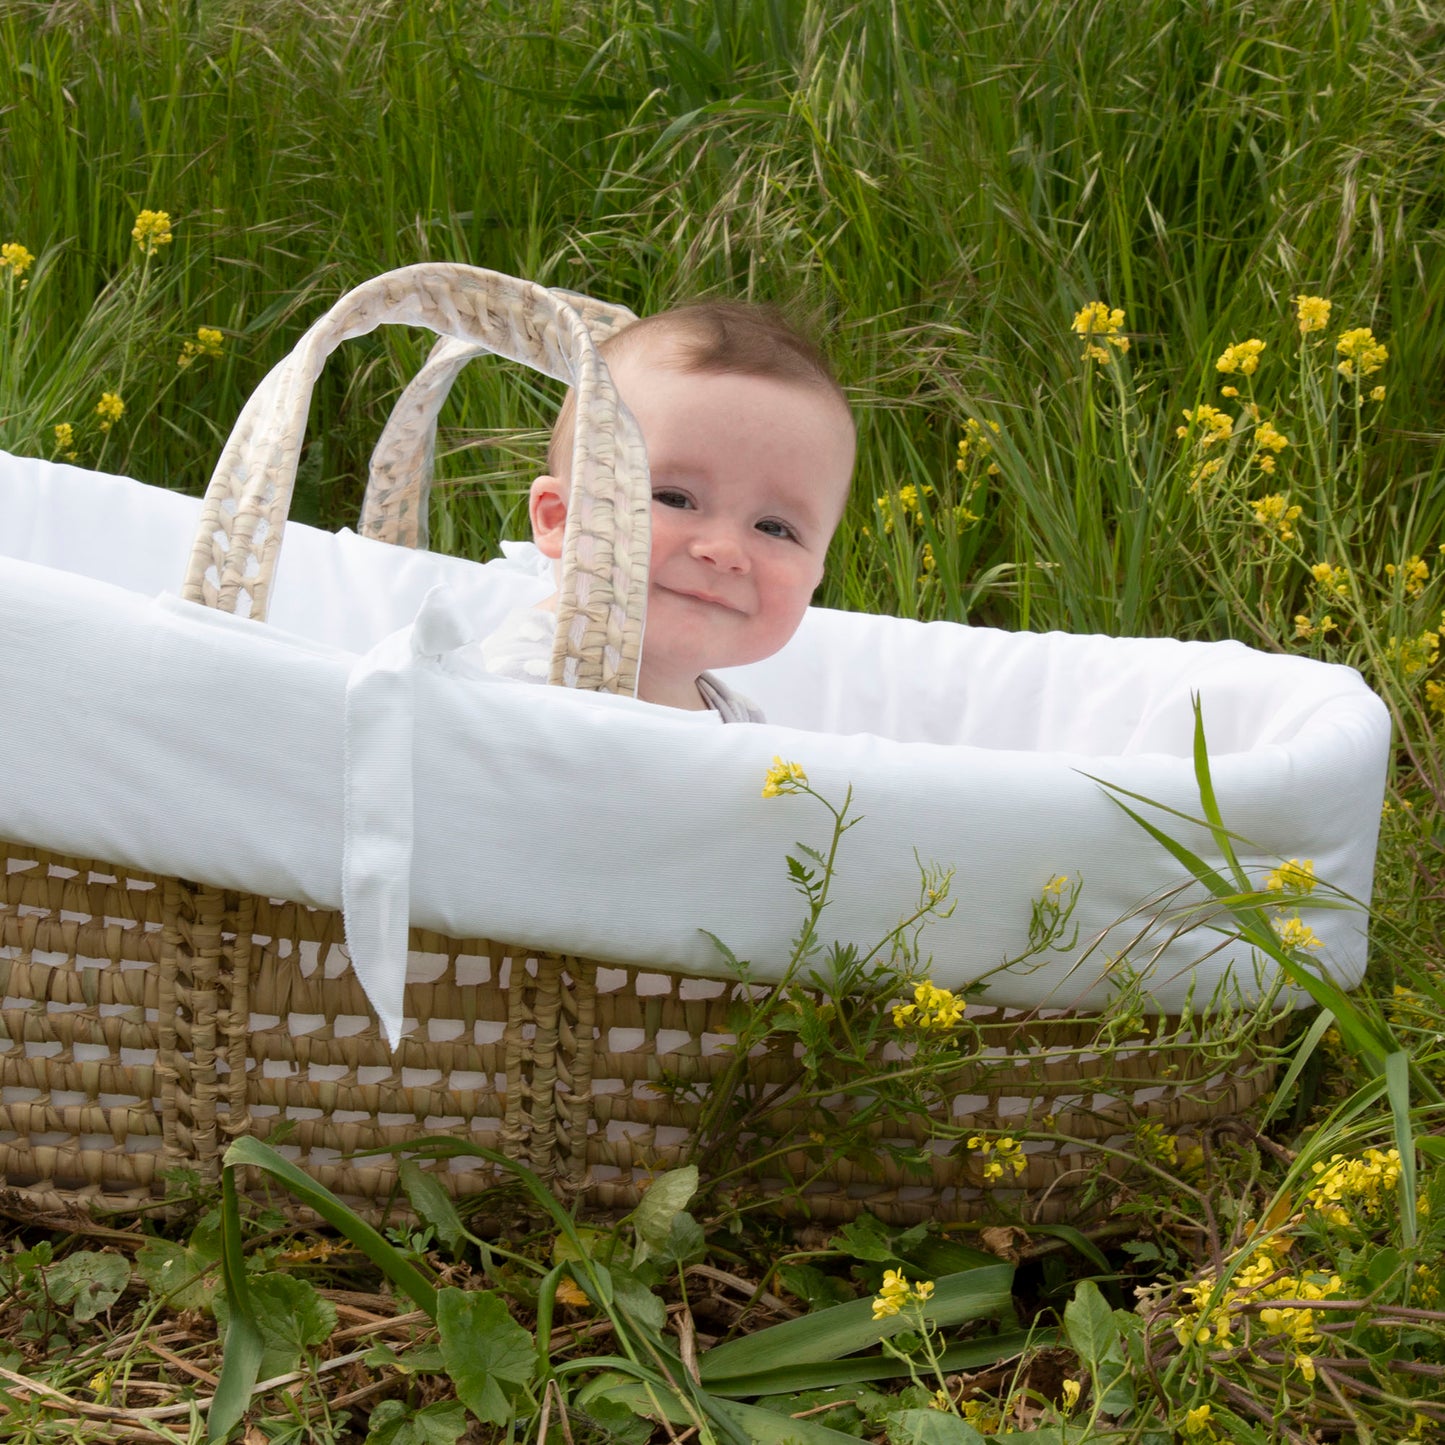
<point>1397,1091</point>
<point>667,1196</point>
<point>970,1355</point>
<point>395,1423</point>
<point>489,1356</point>
<point>845,1329</point>
<point>292,1319</point>
<point>243,1347</point>
<point>88,1282</point>
<point>178,1273</point>
<point>433,1205</point>
<point>635,1302</point>
<point>931,1427</point>
<point>386,1257</point>
<point>1089,1324</point>
<point>865,1238</point>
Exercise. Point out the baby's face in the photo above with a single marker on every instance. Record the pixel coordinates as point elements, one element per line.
<point>749,479</point>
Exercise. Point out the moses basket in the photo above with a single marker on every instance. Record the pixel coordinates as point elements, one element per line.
<point>200,786</point>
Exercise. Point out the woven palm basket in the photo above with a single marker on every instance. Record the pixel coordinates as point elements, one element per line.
<point>147,1022</point>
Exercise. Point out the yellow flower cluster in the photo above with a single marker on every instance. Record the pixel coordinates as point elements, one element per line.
<point>784,778</point>
<point>1363,354</point>
<point>1275,513</point>
<point>1413,575</point>
<point>110,408</point>
<point>208,342</point>
<point>975,445</point>
<point>1214,1316</point>
<point>897,1294</point>
<point>984,1415</point>
<point>1305,627</point>
<point>1414,655</point>
<point>65,441</point>
<point>15,258</point>
<point>932,1008</point>
<point>999,1154</point>
<point>1196,1421</point>
<point>1294,933</point>
<point>1435,696</point>
<point>1096,323</point>
<point>152,230</point>
<point>1217,426</point>
<point>1331,578</point>
<point>1269,441</point>
<point>1296,876</point>
<point>1346,1189</point>
<point>1313,313</point>
<point>1241,357</point>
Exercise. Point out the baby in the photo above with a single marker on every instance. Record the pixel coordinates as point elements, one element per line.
<point>750,446</point>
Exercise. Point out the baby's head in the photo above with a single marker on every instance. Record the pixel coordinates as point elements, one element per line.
<point>750,445</point>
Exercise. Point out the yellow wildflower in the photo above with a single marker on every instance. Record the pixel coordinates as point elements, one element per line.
<point>1154,1143</point>
<point>1306,1366</point>
<point>1413,655</point>
<point>975,443</point>
<point>1196,1421</point>
<point>152,230</point>
<point>941,1400</point>
<point>932,1008</point>
<point>1229,391</point>
<point>1346,1186</point>
<point>1266,436</point>
<point>783,778</point>
<point>1056,885</point>
<point>999,1154</point>
<point>65,441</point>
<point>1435,696</point>
<point>984,1415</point>
<point>1295,933</point>
<point>1303,627</point>
<point>14,256</point>
<point>1414,574</point>
<point>1216,425</point>
<point>1296,876</point>
<point>110,408</point>
<point>208,342</point>
<point>1275,512</point>
<point>1072,1391</point>
<point>1241,357</point>
<point>1377,393</point>
<point>1313,313</point>
<point>1095,323</point>
<point>1363,354</point>
<point>1331,578</point>
<point>896,1294</point>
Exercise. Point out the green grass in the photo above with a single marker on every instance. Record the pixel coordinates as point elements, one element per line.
<point>938,188</point>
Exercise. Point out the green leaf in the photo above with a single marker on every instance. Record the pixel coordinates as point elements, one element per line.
<point>433,1205</point>
<point>931,1427</point>
<point>1094,1332</point>
<point>395,1423</point>
<point>182,1274</point>
<point>386,1257</point>
<point>667,1196</point>
<point>1397,1091</point>
<point>489,1356</point>
<point>865,1238</point>
<point>87,1281</point>
<point>292,1319</point>
<point>636,1303</point>
<point>845,1329</point>
<point>243,1347</point>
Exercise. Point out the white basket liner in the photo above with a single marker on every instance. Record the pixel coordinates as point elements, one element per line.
<point>169,737</point>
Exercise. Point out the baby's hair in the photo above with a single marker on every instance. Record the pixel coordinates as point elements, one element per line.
<point>719,338</point>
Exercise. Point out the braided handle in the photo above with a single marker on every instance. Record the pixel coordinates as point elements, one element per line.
<point>398,489</point>
<point>605,548</point>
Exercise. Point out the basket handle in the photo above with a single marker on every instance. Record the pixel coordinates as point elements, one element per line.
<point>605,548</point>
<point>398,489</point>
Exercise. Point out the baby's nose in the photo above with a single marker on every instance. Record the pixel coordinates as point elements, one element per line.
<point>720,547</point>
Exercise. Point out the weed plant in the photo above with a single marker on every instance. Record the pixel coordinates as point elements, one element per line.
<point>1041,242</point>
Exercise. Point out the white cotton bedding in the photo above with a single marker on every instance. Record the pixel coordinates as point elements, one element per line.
<point>338,749</point>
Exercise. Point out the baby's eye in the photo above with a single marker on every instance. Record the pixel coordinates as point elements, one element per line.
<point>774,528</point>
<point>670,497</point>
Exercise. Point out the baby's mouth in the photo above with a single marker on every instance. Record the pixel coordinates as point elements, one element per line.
<point>710,599</point>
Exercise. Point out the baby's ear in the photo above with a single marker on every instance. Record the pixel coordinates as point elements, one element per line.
<point>547,506</point>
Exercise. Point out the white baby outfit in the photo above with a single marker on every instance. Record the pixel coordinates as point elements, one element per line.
<point>521,648</point>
